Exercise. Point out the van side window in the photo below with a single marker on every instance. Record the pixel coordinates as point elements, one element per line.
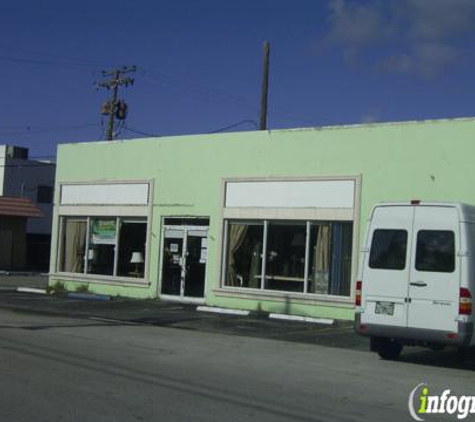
<point>435,251</point>
<point>388,249</point>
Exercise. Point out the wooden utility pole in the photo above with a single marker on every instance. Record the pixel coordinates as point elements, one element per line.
<point>265,87</point>
<point>110,108</point>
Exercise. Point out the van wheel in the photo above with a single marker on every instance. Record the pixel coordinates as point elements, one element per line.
<point>387,348</point>
<point>466,353</point>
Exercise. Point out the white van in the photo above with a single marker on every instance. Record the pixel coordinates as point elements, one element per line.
<point>417,277</point>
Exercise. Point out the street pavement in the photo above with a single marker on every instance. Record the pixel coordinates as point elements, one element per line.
<point>57,368</point>
<point>169,314</point>
<point>172,314</point>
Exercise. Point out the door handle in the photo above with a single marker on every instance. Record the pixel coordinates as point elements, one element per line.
<point>418,284</point>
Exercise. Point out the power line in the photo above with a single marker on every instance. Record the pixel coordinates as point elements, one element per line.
<point>42,62</point>
<point>187,88</point>
<point>75,60</point>
<point>30,131</point>
<point>212,94</point>
<point>128,128</point>
<point>236,125</point>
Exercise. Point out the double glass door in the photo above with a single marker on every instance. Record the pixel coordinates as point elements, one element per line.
<point>184,256</point>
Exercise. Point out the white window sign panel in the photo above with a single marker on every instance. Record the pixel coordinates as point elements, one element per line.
<point>105,194</point>
<point>291,194</point>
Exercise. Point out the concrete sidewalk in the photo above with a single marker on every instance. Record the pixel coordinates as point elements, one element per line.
<point>174,315</point>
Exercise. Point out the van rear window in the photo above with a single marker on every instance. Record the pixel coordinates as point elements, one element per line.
<point>435,251</point>
<point>388,249</point>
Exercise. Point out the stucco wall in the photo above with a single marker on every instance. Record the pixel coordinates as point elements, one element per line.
<point>430,160</point>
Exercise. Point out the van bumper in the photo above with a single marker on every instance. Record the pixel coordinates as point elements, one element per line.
<point>461,338</point>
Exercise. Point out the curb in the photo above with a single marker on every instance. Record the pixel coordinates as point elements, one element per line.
<point>87,296</point>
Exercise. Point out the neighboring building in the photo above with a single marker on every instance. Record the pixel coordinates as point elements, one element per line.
<point>33,179</point>
<point>14,214</point>
<point>268,220</point>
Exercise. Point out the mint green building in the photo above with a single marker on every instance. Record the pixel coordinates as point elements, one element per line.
<point>268,220</point>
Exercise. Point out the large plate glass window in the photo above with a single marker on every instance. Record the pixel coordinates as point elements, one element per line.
<point>102,246</point>
<point>285,256</point>
<point>73,244</point>
<point>244,254</point>
<point>301,256</point>
<point>132,237</point>
<point>111,246</point>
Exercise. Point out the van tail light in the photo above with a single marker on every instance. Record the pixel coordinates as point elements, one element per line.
<point>359,285</point>
<point>465,302</point>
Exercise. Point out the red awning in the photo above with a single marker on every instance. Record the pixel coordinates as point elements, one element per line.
<point>19,207</point>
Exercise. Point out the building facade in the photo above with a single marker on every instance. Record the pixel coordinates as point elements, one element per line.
<point>22,177</point>
<point>268,220</point>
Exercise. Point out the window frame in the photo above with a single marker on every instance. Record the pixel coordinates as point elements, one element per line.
<point>119,220</point>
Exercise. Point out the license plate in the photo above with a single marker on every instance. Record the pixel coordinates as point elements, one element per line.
<point>384,308</point>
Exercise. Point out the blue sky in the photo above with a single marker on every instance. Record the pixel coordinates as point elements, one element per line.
<point>200,64</point>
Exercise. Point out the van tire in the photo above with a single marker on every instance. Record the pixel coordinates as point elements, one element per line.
<point>387,348</point>
<point>466,353</point>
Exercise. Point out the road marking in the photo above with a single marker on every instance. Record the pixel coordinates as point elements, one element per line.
<point>116,321</point>
<point>31,290</point>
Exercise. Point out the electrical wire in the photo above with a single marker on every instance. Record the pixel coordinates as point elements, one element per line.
<point>215,95</point>
<point>236,125</point>
<point>42,62</point>
<point>139,132</point>
<point>29,131</point>
<point>74,60</point>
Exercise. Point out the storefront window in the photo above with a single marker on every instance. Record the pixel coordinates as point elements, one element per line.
<point>320,250</point>
<point>116,246</point>
<point>307,257</point>
<point>132,236</point>
<point>102,245</point>
<point>244,254</point>
<point>73,245</point>
<point>285,257</point>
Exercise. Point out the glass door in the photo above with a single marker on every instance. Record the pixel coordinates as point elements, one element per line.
<point>172,264</point>
<point>185,252</point>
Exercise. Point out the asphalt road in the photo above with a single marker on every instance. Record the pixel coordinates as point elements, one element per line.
<point>64,369</point>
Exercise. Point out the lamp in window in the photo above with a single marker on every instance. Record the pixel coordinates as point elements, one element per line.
<point>137,258</point>
<point>91,255</point>
<point>91,258</point>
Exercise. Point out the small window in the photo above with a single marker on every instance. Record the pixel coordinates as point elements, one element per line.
<point>435,251</point>
<point>44,195</point>
<point>388,249</point>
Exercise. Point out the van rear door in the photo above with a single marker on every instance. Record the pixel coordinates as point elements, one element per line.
<point>435,271</point>
<point>386,271</point>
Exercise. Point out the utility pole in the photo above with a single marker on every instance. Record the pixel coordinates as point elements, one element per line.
<point>114,108</point>
<point>265,87</point>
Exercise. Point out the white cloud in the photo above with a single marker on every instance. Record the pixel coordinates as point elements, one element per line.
<point>423,59</point>
<point>420,37</point>
<point>440,19</point>
<point>356,24</point>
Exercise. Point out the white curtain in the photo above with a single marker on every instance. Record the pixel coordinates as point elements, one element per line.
<point>321,269</point>
<point>74,246</point>
<point>236,235</point>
